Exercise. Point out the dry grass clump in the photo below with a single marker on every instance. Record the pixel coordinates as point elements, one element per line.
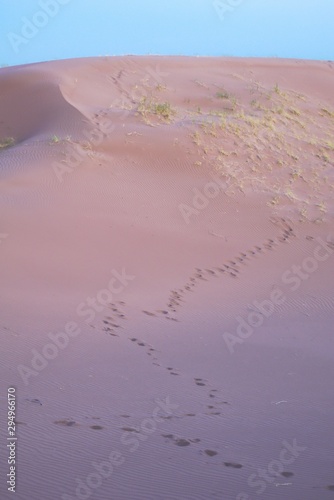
<point>7,142</point>
<point>148,107</point>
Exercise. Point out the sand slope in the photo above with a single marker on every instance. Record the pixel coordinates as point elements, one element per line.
<point>151,208</point>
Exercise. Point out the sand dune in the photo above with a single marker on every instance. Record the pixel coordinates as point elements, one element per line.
<point>166,253</point>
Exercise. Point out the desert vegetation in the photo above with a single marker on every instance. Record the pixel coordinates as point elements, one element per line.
<point>6,142</point>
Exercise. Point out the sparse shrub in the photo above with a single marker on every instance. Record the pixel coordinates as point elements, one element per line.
<point>222,95</point>
<point>7,142</point>
<point>148,107</point>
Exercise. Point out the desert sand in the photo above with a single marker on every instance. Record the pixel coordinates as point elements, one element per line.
<point>167,256</point>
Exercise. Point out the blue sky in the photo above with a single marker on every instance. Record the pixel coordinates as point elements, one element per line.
<point>39,30</point>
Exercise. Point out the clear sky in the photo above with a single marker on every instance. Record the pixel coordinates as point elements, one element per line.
<point>39,30</point>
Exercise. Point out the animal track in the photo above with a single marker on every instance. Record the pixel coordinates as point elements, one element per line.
<point>172,371</point>
<point>68,422</point>
<point>149,351</point>
<point>231,268</point>
<point>35,401</point>
<point>112,322</point>
<point>215,406</point>
<point>211,453</point>
<point>200,382</point>
<point>180,441</point>
<point>233,465</point>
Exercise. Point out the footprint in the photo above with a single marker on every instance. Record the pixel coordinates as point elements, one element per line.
<point>111,322</point>
<point>168,436</point>
<point>213,395</point>
<point>211,453</point>
<point>210,271</point>
<point>36,401</point>
<point>66,422</point>
<point>110,331</point>
<point>233,465</point>
<point>150,350</point>
<point>182,442</point>
<point>199,381</point>
<point>172,371</point>
<point>148,313</point>
<point>179,441</point>
<point>220,269</point>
